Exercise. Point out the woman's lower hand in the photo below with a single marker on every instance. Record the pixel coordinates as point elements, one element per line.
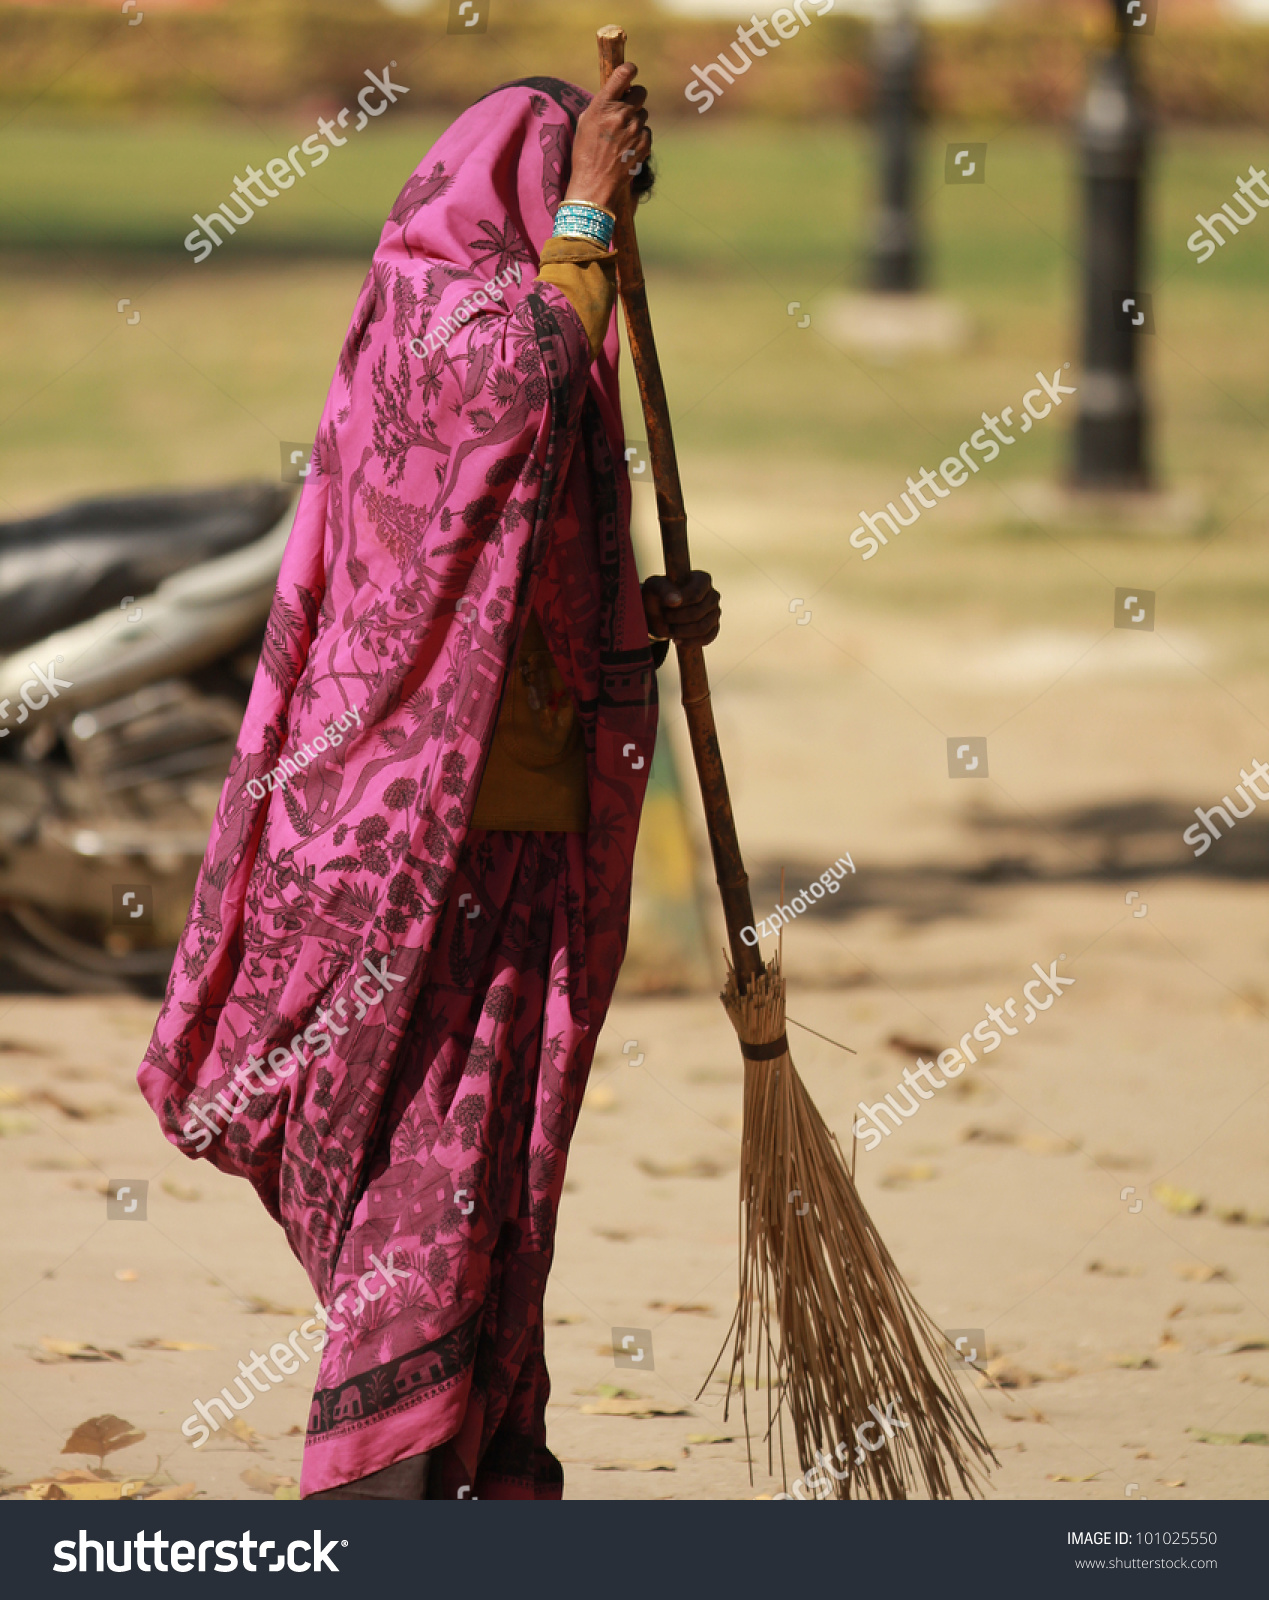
<point>682,611</point>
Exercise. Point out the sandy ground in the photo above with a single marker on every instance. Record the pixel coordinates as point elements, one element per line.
<point>1092,1195</point>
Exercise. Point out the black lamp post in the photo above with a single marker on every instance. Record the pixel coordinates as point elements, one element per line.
<point>1111,426</point>
<point>896,259</point>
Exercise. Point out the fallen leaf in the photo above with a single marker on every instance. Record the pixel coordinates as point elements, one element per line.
<point>102,1436</point>
<point>296,1429</point>
<point>1254,1377</point>
<point>1145,1455</point>
<point>180,1191</point>
<point>70,1108</point>
<point>171,1344</point>
<point>287,1491</point>
<point>13,1124</point>
<point>615,1407</point>
<point>913,1172</point>
<point>1240,1216</point>
<point>1109,1271</point>
<point>1169,1343</point>
<point>635,1466</point>
<point>1181,1202</point>
<point>1173,1483</point>
<point>266,1482</point>
<point>1204,1437</point>
<point>74,1350</point>
<point>1175,1312</point>
<point>976,1134</point>
<point>126,1274</point>
<point>1006,1375</point>
<point>609,1391</point>
<point>1234,1347</point>
<point>711,1438</point>
<point>681,1308</point>
<point>908,1046</point>
<point>130,1489</point>
<point>566,1319</point>
<point>1066,1477</point>
<point>699,1168</point>
<point>601,1097</point>
<point>1047,1144</point>
<point>255,1305</point>
<point>1133,1363</point>
<point>179,1491</point>
<point>244,1433</point>
<point>1198,1271</point>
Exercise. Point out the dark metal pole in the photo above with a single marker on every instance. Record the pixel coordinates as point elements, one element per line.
<point>1111,428</point>
<point>896,261</point>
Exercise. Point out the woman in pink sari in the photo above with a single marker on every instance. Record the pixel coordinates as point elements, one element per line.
<point>413,908</point>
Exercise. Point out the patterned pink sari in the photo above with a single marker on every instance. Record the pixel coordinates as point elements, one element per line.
<point>425,1114</point>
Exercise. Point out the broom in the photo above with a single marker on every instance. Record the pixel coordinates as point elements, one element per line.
<point>823,1311</point>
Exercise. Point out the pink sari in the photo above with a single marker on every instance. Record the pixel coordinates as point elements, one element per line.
<point>421,1118</point>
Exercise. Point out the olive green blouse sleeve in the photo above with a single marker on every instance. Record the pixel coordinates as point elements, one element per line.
<point>587,274</point>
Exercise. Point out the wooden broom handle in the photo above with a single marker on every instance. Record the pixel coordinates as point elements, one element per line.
<point>729,867</point>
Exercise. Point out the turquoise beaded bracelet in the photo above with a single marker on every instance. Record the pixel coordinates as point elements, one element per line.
<point>579,219</point>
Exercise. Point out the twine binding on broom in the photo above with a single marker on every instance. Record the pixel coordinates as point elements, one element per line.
<point>823,1312</point>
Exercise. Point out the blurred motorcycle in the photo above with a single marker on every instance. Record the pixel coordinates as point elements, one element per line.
<point>131,628</point>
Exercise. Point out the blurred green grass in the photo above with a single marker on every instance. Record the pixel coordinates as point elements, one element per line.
<point>234,355</point>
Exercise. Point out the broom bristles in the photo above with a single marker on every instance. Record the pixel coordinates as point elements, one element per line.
<point>823,1312</point>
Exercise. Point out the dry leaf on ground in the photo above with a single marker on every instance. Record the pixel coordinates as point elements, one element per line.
<point>1199,1272</point>
<point>913,1172</point>
<point>180,1191</point>
<point>1180,1202</point>
<point>244,1433</point>
<point>615,1407</point>
<point>1204,1437</point>
<point>102,1436</point>
<point>170,1344</point>
<point>256,1305</point>
<point>75,1350</point>
<point>701,1167</point>
<point>681,1308</point>
<point>266,1482</point>
<point>1007,1375</point>
<point>634,1466</point>
<point>178,1491</point>
<point>1066,1477</point>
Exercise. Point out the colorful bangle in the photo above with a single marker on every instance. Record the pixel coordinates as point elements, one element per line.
<point>579,219</point>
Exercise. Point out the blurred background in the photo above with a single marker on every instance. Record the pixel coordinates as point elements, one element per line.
<point>838,302</point>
